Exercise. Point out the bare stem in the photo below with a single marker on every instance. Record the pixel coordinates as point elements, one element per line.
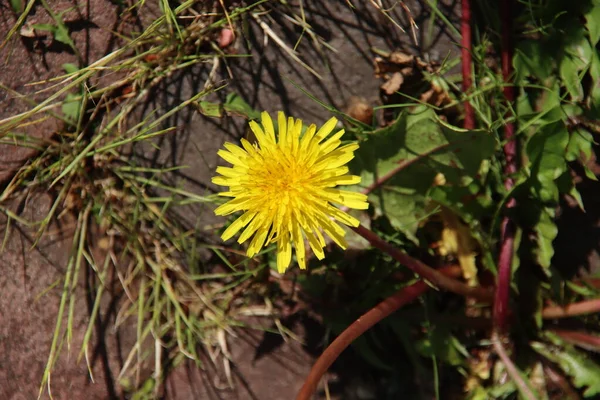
<point>571,310</point>
<point>425,272</point>
<point>507,238</point>
<point>581,339</point>
<point>467,80</point>
<point>512,370</point>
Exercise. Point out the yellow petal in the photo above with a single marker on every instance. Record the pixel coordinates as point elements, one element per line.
<point>307,137</point>
<point>341,180</point>
<point>332,143</point>
<point>282,125</point>
<point>293,137</point>
<point>343,217</point>
<point>236,150</point>
<point>335,159</point>
<point>315,245</point>
<point>267,123</point>
<point>257,243</point>
<point>249,147</point>
<point>230,158</point>
<point>221,181</point>
<point>335,232</point>
<point>299,244</point>
<point>326,129</point>
<point>346,198</point>
<point>232,206</point>
<point>284,253</point>
<point>229,172</point>
<point>261,138</point>
<point>253,227</point>
<point>237,225</point>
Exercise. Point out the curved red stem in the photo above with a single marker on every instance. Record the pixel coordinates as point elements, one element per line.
<point>360,326</point>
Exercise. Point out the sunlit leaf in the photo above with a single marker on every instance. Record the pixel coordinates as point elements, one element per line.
<point>235,104</point>
<point>430,147</point>
<point>583,371</point>
<point>211,109</point>
<point>71,106</point>
<point>592,23</point>
<point>546,231</point>
<point>546,152</point>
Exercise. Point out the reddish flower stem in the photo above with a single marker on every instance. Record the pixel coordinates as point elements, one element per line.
<point>581,339</point>
<point>512,370</point>
<point>467,80</point>
<point>424,271</point>
<point>571,310</point>
<point>507,232</point>
<point>360,326</point>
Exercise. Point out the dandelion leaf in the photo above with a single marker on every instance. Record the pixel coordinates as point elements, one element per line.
<point>425,146</point>
<point>583,371</point>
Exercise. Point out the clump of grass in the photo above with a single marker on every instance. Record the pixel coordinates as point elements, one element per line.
<point>125,231</point>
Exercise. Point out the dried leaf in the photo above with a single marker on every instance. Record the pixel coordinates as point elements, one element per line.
<point>393,84</point>
<point>457,241</point>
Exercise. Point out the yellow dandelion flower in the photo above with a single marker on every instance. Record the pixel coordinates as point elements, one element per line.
<point>285,184</point>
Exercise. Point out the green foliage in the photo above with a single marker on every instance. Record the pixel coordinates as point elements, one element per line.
<point>581,368</point>
<point>557,80</point>
<point>16,5</point>
<point>234,105</point>
<point>428,147</point>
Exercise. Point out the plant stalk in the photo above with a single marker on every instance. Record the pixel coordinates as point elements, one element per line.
<point>508,228</point>
<point>467,79</point>
<point>424,271</point>
<point>360,326</point>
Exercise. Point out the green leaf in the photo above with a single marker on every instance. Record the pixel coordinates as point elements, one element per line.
<point>583,371</point>
<point>235,104</point>
<point>211,109</point>
<point>532,59</point>
<point>569,72</point>
<point>580,148</point>
<point>595,89</point>
<point>425,146</point>
<point>61,34</point>
<point>546,151</point>
<point>441,344</point>
<point>592,23</point>
<point>580,49</point>
<point>71,106</point>
<point>546,231</point>
<point>16,5</point>
<point>45,27</point>
<point>70,68</point>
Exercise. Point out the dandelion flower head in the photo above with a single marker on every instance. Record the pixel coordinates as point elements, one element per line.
<point>285,184</point>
